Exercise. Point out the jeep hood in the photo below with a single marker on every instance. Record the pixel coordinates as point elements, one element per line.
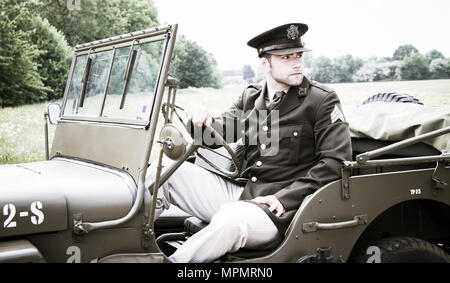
<point>43,196</point>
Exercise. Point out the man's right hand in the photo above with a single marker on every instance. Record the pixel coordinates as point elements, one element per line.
<point>199,115</point>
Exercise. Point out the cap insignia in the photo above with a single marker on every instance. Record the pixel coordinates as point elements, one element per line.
<point>292,32</point>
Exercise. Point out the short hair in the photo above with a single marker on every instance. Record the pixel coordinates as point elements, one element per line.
<point>267,56</point>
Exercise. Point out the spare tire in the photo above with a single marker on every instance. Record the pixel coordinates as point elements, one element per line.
<point>401,250</point>
<point>393,97</point>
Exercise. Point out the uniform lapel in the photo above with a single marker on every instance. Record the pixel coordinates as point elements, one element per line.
<point>260,103</point>
<point>291,99</point>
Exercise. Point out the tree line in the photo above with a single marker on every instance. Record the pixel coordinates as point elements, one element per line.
<point>406,63</point>
<point>37,40</point>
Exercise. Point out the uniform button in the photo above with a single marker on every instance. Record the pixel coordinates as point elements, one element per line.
<point>295,133</point>
<point>254,179</point>
<point>258,163</point>
<point>263,146</point>
<point>265,128</point>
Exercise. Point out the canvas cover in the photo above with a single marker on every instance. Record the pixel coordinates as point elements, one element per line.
<point>391,121</point>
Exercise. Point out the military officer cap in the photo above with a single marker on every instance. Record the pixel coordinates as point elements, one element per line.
<point>285,39</point>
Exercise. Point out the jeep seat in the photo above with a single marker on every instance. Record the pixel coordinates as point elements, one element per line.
<point>193,225</point>
<point>170,221</point>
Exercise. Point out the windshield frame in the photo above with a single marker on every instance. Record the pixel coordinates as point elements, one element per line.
<point>111,44</point>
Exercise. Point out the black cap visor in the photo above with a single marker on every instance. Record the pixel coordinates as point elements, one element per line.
<point>285,51</point>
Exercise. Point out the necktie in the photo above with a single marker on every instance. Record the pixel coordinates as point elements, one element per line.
<point>276,100</point>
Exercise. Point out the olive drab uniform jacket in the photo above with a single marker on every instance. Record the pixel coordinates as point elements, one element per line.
<point>313,140</point>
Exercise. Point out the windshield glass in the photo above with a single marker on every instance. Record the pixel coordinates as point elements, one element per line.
<point>118,83</point>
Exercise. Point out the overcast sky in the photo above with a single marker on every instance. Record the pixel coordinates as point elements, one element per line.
<point>362,28</point>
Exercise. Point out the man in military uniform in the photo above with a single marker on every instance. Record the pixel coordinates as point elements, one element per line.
<point>313,141</point>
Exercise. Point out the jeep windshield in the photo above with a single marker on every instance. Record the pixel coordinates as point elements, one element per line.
<point>115,80</point>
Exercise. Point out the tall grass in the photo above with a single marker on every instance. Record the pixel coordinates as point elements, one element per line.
<point>22,128</point>
<point>22,133</point>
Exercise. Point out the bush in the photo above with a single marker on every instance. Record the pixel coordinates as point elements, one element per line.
<point>372,71</point>
<point>54,55</point>
<point>415,67</point>
<point>440,68</point>
<point>193,66</point>
<point>321,70</point>
<point>404,51</point>
<point>434,54</point>
<point>35,56</point>
<point>20,82</point>
<point>345,67</point>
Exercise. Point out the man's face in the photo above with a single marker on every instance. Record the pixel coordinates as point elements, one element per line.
<point>285,69</point>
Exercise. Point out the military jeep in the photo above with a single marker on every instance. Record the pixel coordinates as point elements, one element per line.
<point>88,202</point>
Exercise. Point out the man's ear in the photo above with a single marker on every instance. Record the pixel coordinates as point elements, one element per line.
<point>265,64</point>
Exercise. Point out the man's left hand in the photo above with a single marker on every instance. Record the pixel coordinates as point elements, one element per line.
<point>273,203</point>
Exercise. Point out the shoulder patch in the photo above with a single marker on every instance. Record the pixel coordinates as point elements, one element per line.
<point>336,115</point>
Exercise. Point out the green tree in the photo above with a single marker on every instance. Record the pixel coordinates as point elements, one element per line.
<point>248,72</point>
<point>344,67</point>
<point>98,19</point>
<point>415,67</point>
<point>193,66</point>
<point>322,70</point>
<point>440,68</point>
<point>308,59</point>
<point>54,54</point>
<point>403,51</point>
<point>377,70</point>
<point>434,54</point>
<point>20,81</point>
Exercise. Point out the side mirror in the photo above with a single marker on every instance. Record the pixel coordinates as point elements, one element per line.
<point>54,112</point>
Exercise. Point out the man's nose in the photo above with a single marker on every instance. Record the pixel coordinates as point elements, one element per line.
<point>297,64</point>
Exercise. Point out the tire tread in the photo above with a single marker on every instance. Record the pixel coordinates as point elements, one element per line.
<point>390,247</point>
<point>392,97</point>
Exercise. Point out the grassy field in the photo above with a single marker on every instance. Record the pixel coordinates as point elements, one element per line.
<point>22,128</point>
<point>22,133</point>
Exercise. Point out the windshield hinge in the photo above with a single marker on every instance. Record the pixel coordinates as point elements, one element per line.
<point>78,232</point>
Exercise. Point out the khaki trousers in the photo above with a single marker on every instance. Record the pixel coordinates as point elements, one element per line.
<point>233,224</point>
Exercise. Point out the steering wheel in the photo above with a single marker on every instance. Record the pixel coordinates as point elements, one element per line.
<point>234,159</point>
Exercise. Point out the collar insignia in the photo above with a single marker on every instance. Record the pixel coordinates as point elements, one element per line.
<point>301,91</point>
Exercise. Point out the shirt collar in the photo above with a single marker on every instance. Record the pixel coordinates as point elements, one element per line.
<point>271,92</point>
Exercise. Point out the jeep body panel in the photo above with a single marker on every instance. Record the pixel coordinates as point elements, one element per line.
<point>367,198</point>
<point>19,251</point>
<point>30,200</point>
<point>63,188</point>
<point>115,146</point>
<point>69,189</point>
